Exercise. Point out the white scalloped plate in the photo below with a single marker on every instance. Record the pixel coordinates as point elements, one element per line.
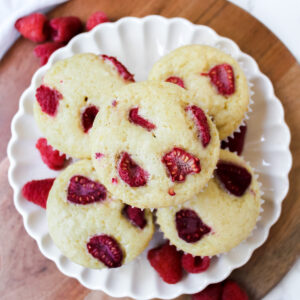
<point>138,43</point>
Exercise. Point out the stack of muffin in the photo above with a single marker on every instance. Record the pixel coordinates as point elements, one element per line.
<point>142,146</point>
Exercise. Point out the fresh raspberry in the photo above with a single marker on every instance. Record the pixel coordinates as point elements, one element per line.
<point>222,77</point>
<point>135,215</point>
<point>235,179</point>
<point>131,172</point>
<point>176,80</point>
<point>189,226</point>
<point>166,261</point>
<point>236,144</point>
<point>200,120</point>
<point>106,249</point>
<point>37,191</point>
<point>181,163</point>
<point>64,28</point>
<point>88,117</point>
<point>33,27</point>
<point>45,50</point>
<point>212,292</point>
<point>96,18</point>
<point>82,190</point>
<point>195,264</point>
<point>50,157</point>
<point>124,73</point>
<point>232,291</point>
<point>135,118</point>
<point>48,99</point>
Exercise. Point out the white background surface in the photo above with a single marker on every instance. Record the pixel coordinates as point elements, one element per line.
<point>281,16</point>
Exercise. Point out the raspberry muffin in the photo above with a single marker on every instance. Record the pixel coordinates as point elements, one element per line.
<point>153,147</point>
<point>89,226</point>
<point>73,92</point>
<point>220,217</point>
<point>214,79</point>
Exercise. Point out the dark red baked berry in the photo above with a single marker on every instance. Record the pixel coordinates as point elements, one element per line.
<point>106,249</point>
<point>82,190</point>
<point>135,215</point>
<point>181,163</point>
<point>176,80</point>
<point>135,118</point>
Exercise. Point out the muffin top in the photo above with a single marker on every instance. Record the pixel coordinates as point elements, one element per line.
<point>219,218</point>
<point>73,92</point>
<point>91,227</point>
<point>153,147</point>
<point>213,78</point>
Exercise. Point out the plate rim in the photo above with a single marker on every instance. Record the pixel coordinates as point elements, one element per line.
<point>68,47</point>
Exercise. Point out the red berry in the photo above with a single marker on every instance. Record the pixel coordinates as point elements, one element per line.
<point>82,190</point>
<point>48,99</point>
<point>189,226</point>
<point>135,118</point>
<point>124,73</point>
<point>98,155</point>
<point>135,215</point>
<point>114,180</point>
<point>106,249</point>
<point>235,179</point>
<point>212,292</point>
<point>200,120</point>
<point>195,264</point>
<point>232,291</point>
<point>166,261</point>
<point>64,28</point>
<point>222,77</point>
<point>88,117</point>
<point>236,143</point>
<point>96,18</point>
<point>171,192</point>
<point>33,27</point>
<point>45,50</point>
<point>181,163</point>
<point>37,191</point>
<point>50,157</point>
<point>130,172</point>
<point>176,80</point>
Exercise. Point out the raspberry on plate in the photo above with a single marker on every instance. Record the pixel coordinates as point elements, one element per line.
<point>212,292</point>
<point>52,158</point>
<point>33,27</point>
<point>165,260</point>
<point>37,191</point>
<point>195,264</point>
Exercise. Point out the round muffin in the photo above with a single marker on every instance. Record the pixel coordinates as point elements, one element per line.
<point>153,147</point>
<point>72,93</point>
<point>219,218</point>
<point>214,79</point>
<point>89,226</point>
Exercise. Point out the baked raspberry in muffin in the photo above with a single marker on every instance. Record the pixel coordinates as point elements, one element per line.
<point>89,226</point>
<point>73,92</point>
<point>219,218</point>
<point>153,147</point>
<point>214,79</point>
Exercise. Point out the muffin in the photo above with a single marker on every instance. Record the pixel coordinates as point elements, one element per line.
<point>219,218</point>
<point>74,90</point>
<point>89,225</point>
<point>214,79</point>
<point>153,147</point>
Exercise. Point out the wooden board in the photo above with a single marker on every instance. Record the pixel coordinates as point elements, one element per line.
<point>25,273</point>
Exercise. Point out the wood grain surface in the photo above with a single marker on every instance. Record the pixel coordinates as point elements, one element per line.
<point>25,273</point>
